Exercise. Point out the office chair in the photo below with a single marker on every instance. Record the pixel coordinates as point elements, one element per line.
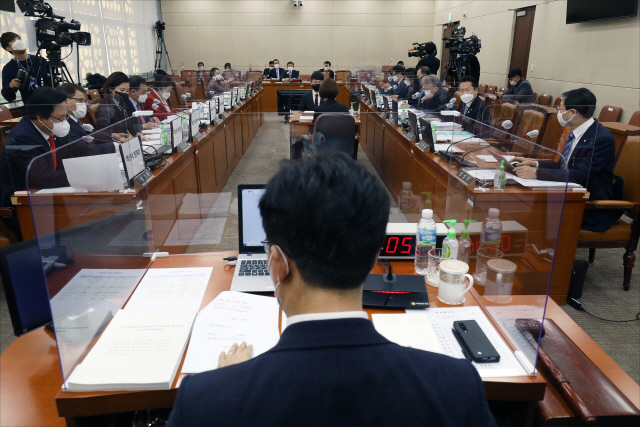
<point>333,132</point>
<point>610,113</point>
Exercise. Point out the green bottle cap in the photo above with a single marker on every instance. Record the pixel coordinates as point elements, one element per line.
<point>452,231</point>
<point>501,165</point>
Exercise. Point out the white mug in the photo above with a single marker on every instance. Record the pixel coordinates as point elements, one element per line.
<point>452,281</point>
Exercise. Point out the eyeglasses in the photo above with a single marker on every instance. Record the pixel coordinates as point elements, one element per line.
<point>58,120</point>
<point>80,100</point>
<point>267,244</point>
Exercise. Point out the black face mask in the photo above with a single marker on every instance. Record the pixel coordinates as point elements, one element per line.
<point>121,97</point>
<point>315,88</point>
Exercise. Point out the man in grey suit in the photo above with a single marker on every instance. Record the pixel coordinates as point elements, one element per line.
<point>520,89</point>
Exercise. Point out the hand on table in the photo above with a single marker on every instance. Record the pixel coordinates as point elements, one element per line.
<point>525,172</point>
<point>394,97</point>
<point>150,125</point>
<point>155,120</point>
<point>424,98</point>
<point>235,355</point>
<point>522,161</point>
<point>121,137</point>
<point>15,84</point>
<point>498,94</point>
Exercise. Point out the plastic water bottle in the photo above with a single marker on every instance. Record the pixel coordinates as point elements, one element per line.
<point>404,115</point>
<point>425,241</point>
<point>491,230</point>
<point>405,198</point>
<point>500,178</point>
<point>464,242</point>
<point>351,111</point>
<point>164,137</point>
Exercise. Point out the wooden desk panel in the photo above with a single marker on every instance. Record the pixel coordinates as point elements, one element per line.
<point>270,93</point>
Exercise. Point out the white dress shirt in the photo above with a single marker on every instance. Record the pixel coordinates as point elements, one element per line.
<point>327,316</point>
<point>578,133</point>
<point>44,135</point>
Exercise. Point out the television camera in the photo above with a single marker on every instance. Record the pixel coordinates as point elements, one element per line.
<point>52,34</point>
<point>457,44</point>
<point>419,50</point>
<point>462,54</point>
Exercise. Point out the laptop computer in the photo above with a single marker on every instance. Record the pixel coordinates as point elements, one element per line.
<point>251,273</point>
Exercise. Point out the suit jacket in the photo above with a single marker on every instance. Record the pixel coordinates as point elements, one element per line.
<point>430,61</point>
<point>438,102</point>
<point>295,74</point>
<point>403,91</point>
<point>590,165</point>
<point>307,103</point>
<point>521,92</point>
<point>163,111</point>
<point>266,72</point>
<point>335,373</point>
<point>477,111</point>
<point>136,122</point>
<point>276,73</point>
<point>328,106</point>
<point>218,87</point>
<point>101,144</point>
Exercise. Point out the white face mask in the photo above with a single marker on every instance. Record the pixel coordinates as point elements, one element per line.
<point>275,287</point>
<point>218,76</point>
<point>467,97</point>
<point>326,68</point>
<point>200,68</point>
<point>393,78</point>
<point>271,68</point>
<point>290,68</point>
<point>81,110</point>
<point>408,82</point>
<point>276,65</point>
<point>19,46</point>
<point>166,95</point>
<point>59,129</point>
<point>512,82</point>
<point>142,99</point>
<point>561,119</point>
<point>428,94</point>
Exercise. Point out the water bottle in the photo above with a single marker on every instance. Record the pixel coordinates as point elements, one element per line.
<point>500,178</point>
<point>425,241</point>
<point>491,230</point>
<point>164,138</point>
<point>404,114</point>
<point>405,198</point>
<point>351,111</point>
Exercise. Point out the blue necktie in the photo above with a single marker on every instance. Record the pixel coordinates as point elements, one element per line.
<point>567,147</point>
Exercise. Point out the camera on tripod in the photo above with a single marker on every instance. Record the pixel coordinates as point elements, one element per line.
<point>419,50</point>
<point>458,44</point>
<point>52,33</point>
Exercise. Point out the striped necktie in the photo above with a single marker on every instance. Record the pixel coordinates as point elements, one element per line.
<point>567,147</point>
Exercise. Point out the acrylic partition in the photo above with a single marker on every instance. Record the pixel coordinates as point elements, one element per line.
<point>93,231</point>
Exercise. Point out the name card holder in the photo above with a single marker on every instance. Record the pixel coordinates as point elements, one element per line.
<point>466,178</point>
<point>423,146</point>
<point>183,146</point>
<point>143,178</point>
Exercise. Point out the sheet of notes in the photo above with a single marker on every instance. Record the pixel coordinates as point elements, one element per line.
<point>171,289</point>
<point>231,318</point>
<point>407,331</point>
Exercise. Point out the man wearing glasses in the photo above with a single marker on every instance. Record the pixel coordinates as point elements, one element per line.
<point>325,220</point>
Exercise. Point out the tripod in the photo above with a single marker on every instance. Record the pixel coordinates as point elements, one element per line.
<point>159,46</point>
<point>57,68</point>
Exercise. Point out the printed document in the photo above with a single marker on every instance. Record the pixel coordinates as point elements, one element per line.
<point>407,331</point>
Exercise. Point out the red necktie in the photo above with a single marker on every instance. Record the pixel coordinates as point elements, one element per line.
<point>141,117</point>
<point>316,99</point>
<point>52,146</point>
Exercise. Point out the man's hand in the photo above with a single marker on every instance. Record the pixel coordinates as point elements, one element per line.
<point>15,84</point>
<point>155,120</point>
<point>122,137</point>
<point>235,355</point>
<point>394,97</point>
<point>498,94</point>
<point>150,125</point>
<point>525,172</point>
<point>424,98</point>
<point>524,161</point>
<point>385,85</point>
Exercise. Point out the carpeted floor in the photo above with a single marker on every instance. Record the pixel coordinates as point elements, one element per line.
<point>603,295</point>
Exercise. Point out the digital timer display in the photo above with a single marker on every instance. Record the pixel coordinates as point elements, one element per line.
<point>399,246</point>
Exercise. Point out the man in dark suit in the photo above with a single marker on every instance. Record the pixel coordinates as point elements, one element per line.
<point>588,157</point>
<point>276,73</point>
<point>432,97</point>
<point>137,98</point>
<point>430,60</point>
<point>392,87</point>
<point>330,366</point>
<point>268,70</point>
<point>290,73</point>
<point>520,89</point>
<point>312,99</point>
<point>327,69</point>
<point>472,105</point>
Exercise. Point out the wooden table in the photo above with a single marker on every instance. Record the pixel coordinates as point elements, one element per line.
<point>11,123</point>
<point>270,90</point>
<point>30,380</point>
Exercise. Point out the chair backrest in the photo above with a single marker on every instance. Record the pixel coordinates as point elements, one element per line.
<point>544,99</point>
<point>610,113</point>
<point>94,94</point>
<point>456,95</point>
<point>627,168</point>
<point>558,101</point>
<point>187,74</point>
<point>5,113</point>
<point>507,111</point>
<point>252,76</point>
<point>635,119</point>
<point>198,91</point>
<point>495,109</point>
<point>503,89</point>
<point>482,88</point>
<point>335,132</point>
<point>326,74</point>
<point>365,76</point>
<point>92,111</point>
<point>305,77</point>
<point>530,120</point>
<point>343,75</point>
<point>492,89</point>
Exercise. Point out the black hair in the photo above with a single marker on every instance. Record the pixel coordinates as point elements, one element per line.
<point>290,62</point>
<point>135,82</point>
<point>167,82</point>
<point>270,62</point>
<point>43,101</point>
<point>426,71</point>
<point>327,62</point>
<point>336,246</point>
<point>70,89</point>
<point>515,72</point>
<point>582,100</point>
<point>276,60</point>
<point>212,72</point>
<point>7,38</point>
<point>397,69</point>
<point>430,48</point>
<point>228,63</point>
<point>115,79</point>
<point>470,79</point>
<point>400,63</point>
<point>317,75</point>
<point>201,63</point>
<point>410,73</point>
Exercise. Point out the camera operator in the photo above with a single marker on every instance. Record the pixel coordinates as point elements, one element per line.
<point>520,90</point>
<point>430,60</point>
<point>16,75</point>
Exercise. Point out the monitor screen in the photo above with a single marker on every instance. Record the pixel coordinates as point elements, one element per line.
<point>413,124</point>
<point>7,5</point>
<point>597,10</point>
<point>176,131</point>
<point>394,111</point>
<point>252,233</point>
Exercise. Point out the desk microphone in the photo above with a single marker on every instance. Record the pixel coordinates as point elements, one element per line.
<point>532,134</point>
<point>507,124</point>
<point>451,103</point>
<point>390,61</point>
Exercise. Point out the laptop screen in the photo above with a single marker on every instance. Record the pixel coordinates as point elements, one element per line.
<point>250,232</point>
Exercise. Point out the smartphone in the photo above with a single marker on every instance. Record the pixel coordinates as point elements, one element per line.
<point>475,344</point>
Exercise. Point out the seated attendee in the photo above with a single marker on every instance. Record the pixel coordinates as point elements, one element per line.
<point>157,98</point>
<point>95,80</point>
<point>312,99</point>
<point>276,73</point>
<point>217,84</point>
<point>268,70</point>
<point>112,110</point>
<point>472,105</point>
<point>589,157</point>
<point>330,348</point>
<point>290,73</point>
<point>392,87</point>
<point>329,91</point>
<point>430,60</point>
<point>201,72</point>
<point>227,66</point>
<point>137,97</point>
<point>327,69</point>
<point>433,96</point>
<point>420,74</point>
<point>401,64</point>
<point>520,89</point>
<point>406,86</point>
<point>39,75</point>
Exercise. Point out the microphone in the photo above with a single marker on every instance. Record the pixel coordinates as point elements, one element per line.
<point>154,106</point>
<point>507,124</point>
<point>156,101</point>
<point>390,61</point>
<point>451,103</point>
<point>532,134</point>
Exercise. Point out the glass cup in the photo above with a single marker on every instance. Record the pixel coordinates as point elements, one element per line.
<point>453,283</point>
<point>500,274</point>
<point>485,254</point>
<point>436,256</point>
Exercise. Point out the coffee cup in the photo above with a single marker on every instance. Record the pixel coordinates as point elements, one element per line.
<point>453,285</point>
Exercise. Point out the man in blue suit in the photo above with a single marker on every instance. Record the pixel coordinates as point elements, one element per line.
<point>588,157</point>
<point>330,367</point>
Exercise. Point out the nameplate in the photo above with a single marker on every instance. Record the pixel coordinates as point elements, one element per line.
<point>143,177</point>
<point>217,121</point>
<point>225,115</point>
<point>469,180</point>
<point>183,146</point>
<point>391,121</point>
<point>383,114</point>
<point>424,147</point>
<point>411,136</point>
<point>197,136</point>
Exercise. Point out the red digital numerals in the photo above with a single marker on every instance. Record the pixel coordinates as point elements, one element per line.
<point>505,244</point>
<point>393,244</point>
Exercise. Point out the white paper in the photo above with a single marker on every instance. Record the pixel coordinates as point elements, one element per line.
<point>154,131</point>
<point>308,112</point>
<point>443,147</point>
<point>487,174</point>
<point>442,320</point>
<point>306,118</point>
<point>490,159</point>
<point>94,173</point>
<point>60,190</point>
<point>408,331</point>
<point>137,351</point>
<point>233,317</point>
<point>544,184</point>
<point>171,289</point>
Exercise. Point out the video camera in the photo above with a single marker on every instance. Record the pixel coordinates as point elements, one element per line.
<point>457,44</point>
<point>52,33</point>
<point>419,51</point>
